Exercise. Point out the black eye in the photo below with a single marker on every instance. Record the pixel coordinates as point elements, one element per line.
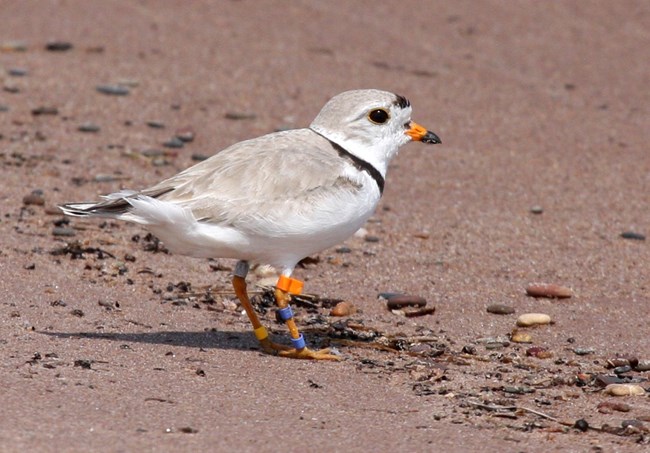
<point>378,116</point>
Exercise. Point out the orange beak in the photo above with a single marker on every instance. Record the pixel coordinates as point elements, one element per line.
<point>421,134</point>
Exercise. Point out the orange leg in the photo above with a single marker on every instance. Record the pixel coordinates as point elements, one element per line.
<point>300,350</point>
<point>262,335</point>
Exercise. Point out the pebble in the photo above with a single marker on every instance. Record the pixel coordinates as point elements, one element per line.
<point>152,152</point>
<point>13,46</point>
<point>420,312</point>
<point>517,336</point>
<point>88,127</point>
<point>581,425</point>
<point>173,142</point>
<point>500,309</point>
<point>620,361</point>
<point>548,290</point>
<point>633,235</point>
<point>607,406</point>
<point>113,90</point>
<point>583,351</point>
<point>239,116</point>
<point>198,157</point>
<point>63,231</point>
<point>34,198</point>
<point>622,369</point>
<point>45,110</point>
<point>17,72</point>
<point>399,301</point>
<point>533,319</point>
<point>624,390</point>
<point>603,380</point>
<point>539,352</point>
<point>185,134</point>
<point>370,238</point>
<point>155,124</point>
<point>343,309</point>
<point>642,365</point>
<point>536,210</point>
<point>4,108</point>
<point>343,249</point>
<point>58,46</point>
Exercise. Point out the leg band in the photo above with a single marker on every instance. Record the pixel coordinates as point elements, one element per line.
<point>298,343</point>
<point>285,313</point>
<point>241,269</point>
<point>289,285</point>
<point>261,333</point>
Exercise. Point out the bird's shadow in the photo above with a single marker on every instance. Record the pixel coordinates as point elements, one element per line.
<point>206,339</point>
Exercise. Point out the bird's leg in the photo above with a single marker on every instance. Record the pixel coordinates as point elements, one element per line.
<point>262,335</point>
<point>285,286</point>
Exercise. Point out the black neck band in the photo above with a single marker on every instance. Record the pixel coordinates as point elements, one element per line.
<point>359,164</point>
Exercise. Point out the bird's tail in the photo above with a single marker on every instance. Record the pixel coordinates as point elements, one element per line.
<point>114,205</point>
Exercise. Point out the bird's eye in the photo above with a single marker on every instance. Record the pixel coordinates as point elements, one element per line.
<point>378,116</point>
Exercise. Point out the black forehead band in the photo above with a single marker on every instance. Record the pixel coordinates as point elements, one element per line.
<point>401,101</point>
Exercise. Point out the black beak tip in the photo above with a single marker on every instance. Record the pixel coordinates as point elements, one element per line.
<point>432,138</point>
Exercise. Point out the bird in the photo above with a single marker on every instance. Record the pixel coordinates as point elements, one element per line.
<point>277,199</point>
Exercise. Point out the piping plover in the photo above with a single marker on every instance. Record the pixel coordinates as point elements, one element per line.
<point>278,198</point>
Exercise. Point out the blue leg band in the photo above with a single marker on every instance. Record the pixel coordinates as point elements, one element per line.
<point>298,343</point>
<point>285,313</point>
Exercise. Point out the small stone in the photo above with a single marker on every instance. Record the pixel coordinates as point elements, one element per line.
<point>618,362</point>
<point>581,425</point>
<point>548,290</point>
<point>29,267</point>
<point>603,380</point>
<point>13,46</point>
<point>642,365</point>
<point>77,312</point>
<point>63,231</point>
<point>152,152</point>
<point>517,336</point>
<point>239,116</point>
<point>633,235</point>
<point>400,301</point>
<point>469,349</point>
<point>45,110</point>
<point>536,210</point>
<point>539,352</point>
<point>197,157</point>
<point>634,423</point>
<point>500,309</point>
<point>88,127</point>
<point>533,319</point>
<point>370,238</point>
<point>624,390</point>
<point>17,72</point>
<point>607,406</point>
<point>185,134</point>
<point>420,312</point>
<point>58,46</point>
<point>113,90</point>
<point>4,108</point>
<point>583,351</point>
<point>622,369</point>
<point>343,309</point>
<point>34,198</point>
<point>173,142</point>
<point>155,124</point>
<point>343,249</point>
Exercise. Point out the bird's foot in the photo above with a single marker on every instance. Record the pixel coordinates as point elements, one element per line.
<point>309,354</point>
